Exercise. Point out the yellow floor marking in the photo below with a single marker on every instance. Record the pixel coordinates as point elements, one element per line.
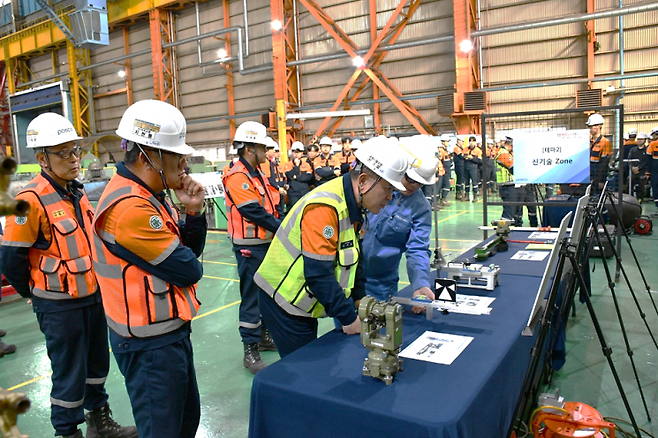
<point>220,278</point>
<point>216,232</point>
<point>36,379</point>
<point>220,263</point>
<point>216,310</point>
<point>450,217</point>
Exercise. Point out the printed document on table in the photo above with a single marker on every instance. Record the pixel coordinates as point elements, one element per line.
<point>542,235</point>
<point>435,347</point>
<point>469,304</point>
<point>532,256</point>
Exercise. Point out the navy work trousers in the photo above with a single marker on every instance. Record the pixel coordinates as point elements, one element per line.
<point>288,331</point>
<point>163,390</point>
<point>249,259</point>
<point>77,346</point>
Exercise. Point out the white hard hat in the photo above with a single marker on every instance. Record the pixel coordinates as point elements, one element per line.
<point>422,164</point>
<point>385,160</point>
<point>445,137</point>
<point>642,135</point>
<point>356,144</point>
<point>490,141</point>
<point>270,143</point>
<point>250,132</point>
<point>595,119</point>
<point>297,146</point>
<point>326,140</point>
<point>155,124</point>
<point>50,129</point>
<point>632,131</point>
<point>232,151</point>
<point>626,137</point>
<point>654,130</point>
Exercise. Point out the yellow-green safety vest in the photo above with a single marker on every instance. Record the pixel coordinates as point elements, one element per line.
<point>502,173</point>
<point>281,275</point>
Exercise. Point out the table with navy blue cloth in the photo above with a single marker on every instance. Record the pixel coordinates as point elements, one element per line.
<point>320,390</point>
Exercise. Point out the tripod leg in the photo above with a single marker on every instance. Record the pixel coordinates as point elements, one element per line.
<point>607,351</point>
<point>627,280</point>
<point>629,351</point>
<point>637,262</point>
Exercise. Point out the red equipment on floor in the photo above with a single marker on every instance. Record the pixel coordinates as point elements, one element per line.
<point>575,420</point>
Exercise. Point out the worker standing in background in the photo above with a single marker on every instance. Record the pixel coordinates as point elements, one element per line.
<point>637,160</point>
<point>652,152</point>
<point>403,226</point>
<point>458,157</point>
<point>148,268</point>
<point>299,174</point>
<point>600,151</point>
<point>4,348</point>
<point>312,268</point>
<point>443,183</point>
<point>490,169</point>
<point>46,256</point>
<point>326,165</point>
<point>251,206</point>
<point>472,163</point>
<point>346,156</point>
<point>504,160</point>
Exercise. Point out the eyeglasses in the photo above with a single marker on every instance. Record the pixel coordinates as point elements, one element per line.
<point>411,181</point>
<point>66,153</point>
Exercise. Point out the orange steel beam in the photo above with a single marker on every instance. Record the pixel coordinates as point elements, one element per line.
<point>350,47</point>
<point>375,90</point>
<point>5,118</point>
<point>229,68</point>
<point>128,77</point>
<point>591,41</point>
<point>466,65</point>
<point>163,74</point>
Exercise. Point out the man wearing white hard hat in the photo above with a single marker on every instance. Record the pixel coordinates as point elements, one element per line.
<point>652,152</point>
<point>326,164</point>
<point>638,160</point>
<point>346,156</point>
<point>312,268</point>
<point>299,174</point>
<point>46,256</point>
<point>600,152</point>
<point>402,227</point>
<point>147,264</point>
<point>253,218</point>
<point>443,182</point>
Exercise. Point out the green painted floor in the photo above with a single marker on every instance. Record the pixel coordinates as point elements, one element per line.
<point>225,384</point>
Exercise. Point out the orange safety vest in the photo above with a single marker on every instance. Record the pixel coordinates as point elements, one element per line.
<point>241,230</point>
<point>345,158</point>
<point>596,148</point>
<point>652,150</point>
<point>64,270</point>
<point>137,303</point>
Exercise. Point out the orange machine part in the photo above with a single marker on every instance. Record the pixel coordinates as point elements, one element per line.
<point>582,421</point>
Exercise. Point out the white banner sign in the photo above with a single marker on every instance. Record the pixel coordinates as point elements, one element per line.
<point>212,182</point>
<point>551,157</point>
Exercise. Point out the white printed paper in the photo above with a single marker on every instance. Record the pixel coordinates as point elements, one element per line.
<point>212,182</point>
<point>542,235</point>
<point>435,347</point>
<point>531,256</point>
<point>469,304</point>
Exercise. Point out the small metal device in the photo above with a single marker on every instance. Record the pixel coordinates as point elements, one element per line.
<point>486,250</point>
<point>473,275</point>
<point>381,333</point>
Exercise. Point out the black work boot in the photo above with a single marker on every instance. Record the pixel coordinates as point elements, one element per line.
<point>101,425</point>
<point>6,348</point>
<point>77,434</point>
<point>252,360</point>
<point>266,342</point>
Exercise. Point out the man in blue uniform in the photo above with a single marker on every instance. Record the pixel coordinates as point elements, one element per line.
<point>403,226</point>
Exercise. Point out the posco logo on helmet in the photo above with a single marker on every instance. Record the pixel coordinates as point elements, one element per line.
<point>64,131</point>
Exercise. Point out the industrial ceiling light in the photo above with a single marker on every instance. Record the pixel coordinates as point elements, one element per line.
<point>221,53</point>
<point>323,114</point>
<point>358,62</point>
<point>276,25</point>
<point>610,89</point>
<point>466,46</point>
<point>122,74</point>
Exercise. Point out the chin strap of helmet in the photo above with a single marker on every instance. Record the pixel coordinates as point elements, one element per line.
<point>160,172</point>
<point>359,167</point>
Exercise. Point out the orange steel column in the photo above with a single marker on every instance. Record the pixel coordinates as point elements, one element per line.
<point>229,68</point>
<point>466,64</point>
<point>128,77</point>
<point>591,42</point>
<point>163,75</point>
<point>6,142</point>
<point>375,90</point>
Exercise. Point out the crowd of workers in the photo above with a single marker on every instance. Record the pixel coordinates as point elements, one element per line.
<point>311,238</point>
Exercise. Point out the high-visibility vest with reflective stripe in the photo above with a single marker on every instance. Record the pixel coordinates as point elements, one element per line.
<point>504,175</point>
<point>64,269</point>
<point>281,275</point>
<point>596,149</point>
<point>241,230</point>
<point>137,303</point>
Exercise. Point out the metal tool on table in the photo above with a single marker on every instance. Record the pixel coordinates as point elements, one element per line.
<point>381,333</point>
<point>474,276</point>
<point>499,243</point>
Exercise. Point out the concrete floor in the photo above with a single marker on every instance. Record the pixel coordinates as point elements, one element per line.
<point>225,384</point>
